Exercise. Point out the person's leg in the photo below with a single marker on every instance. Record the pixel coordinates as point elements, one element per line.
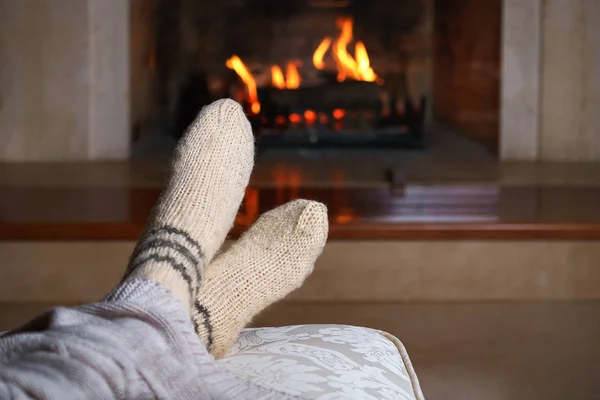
<point>136,344</point>
<point>139,342</point>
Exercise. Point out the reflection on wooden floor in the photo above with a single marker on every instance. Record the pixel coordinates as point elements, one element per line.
<point>423,212</point>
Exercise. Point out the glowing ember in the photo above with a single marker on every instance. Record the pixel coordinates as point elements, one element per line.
<point>320,53</point>
<point>277,78</point>
<point>323,118</point>
<point>295,118</point>
<point>292,77</point>
<point>310,117</point>
<point>236,64</point>
<point>338,113</point>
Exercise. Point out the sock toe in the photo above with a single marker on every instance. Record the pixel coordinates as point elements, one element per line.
<point>268,262</point>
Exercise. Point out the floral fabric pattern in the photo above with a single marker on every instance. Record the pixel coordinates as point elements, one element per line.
<point>325,362</point>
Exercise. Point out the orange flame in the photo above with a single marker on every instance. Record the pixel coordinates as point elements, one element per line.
<point>236,64</point>
<point>320,53</point>
<point>363,64</point>
<point>292,77</point>
<point>277,77</point>
<point>357,67</point>
<point>346,64</point>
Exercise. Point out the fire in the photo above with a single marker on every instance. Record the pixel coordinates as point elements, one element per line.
<point>277,78</point>
<point>236,64</point>
<point>292,77</point>
<point>363,64</point>
<point>357,67</point>
<point>346,64</point>
<point>320,53</point>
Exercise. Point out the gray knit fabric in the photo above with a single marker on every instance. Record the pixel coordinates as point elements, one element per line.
<point>138,343</point>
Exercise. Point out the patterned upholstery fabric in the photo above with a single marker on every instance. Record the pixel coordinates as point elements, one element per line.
<point>325,362</point>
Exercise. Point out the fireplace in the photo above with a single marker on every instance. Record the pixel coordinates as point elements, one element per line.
<point>308,72</point>
<point>344,73</point>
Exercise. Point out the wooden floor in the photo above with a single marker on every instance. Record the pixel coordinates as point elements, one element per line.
<point>410,212</point>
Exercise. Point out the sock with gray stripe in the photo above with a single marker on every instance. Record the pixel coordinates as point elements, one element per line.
<point>268,262</point>
<point>210,170</point>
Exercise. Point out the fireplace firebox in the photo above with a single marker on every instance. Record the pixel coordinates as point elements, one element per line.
<point>308,72</point>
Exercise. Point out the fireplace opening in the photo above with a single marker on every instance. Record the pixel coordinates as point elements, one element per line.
<point>319,73</point>
<point>328,94</point>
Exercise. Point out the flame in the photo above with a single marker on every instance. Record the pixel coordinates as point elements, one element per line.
<point>346,64</point>
<point>357,67</point>
<point>363,64</point>
<point>236,64</point>
<point>292,77</point>
<point>320,53</point>
<point>277,77</point>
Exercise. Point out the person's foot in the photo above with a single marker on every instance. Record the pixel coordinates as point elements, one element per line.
<point>268,262</point>
<point>210,170</point>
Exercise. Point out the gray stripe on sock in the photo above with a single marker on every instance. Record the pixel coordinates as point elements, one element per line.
<point>154,244</point>
<point>178,267</point>
<point>175,231</point>
<point>206,322</point>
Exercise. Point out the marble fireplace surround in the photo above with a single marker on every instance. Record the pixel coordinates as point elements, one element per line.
<point>550,82</point>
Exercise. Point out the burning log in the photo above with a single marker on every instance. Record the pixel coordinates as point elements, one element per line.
<point>345,95</point>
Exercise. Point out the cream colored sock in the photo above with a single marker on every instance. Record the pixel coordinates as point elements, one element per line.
<point>209,174</point>
<point>268,262</point>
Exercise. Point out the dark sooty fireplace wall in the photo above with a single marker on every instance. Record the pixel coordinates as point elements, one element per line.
<point>308,72</point>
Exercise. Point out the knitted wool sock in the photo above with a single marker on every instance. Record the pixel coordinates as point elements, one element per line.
<point>268,262</point>
<point>209,173</point>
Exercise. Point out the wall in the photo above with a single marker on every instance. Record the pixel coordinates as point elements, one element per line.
<point>466,73</point>
<point>570,94</point>
<point>63,80</point>
<point>551,96</point>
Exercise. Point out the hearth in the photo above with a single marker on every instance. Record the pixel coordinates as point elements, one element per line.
<point>307,72</point>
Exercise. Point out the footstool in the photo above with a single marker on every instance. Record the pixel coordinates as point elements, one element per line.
<point>325,362</point>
